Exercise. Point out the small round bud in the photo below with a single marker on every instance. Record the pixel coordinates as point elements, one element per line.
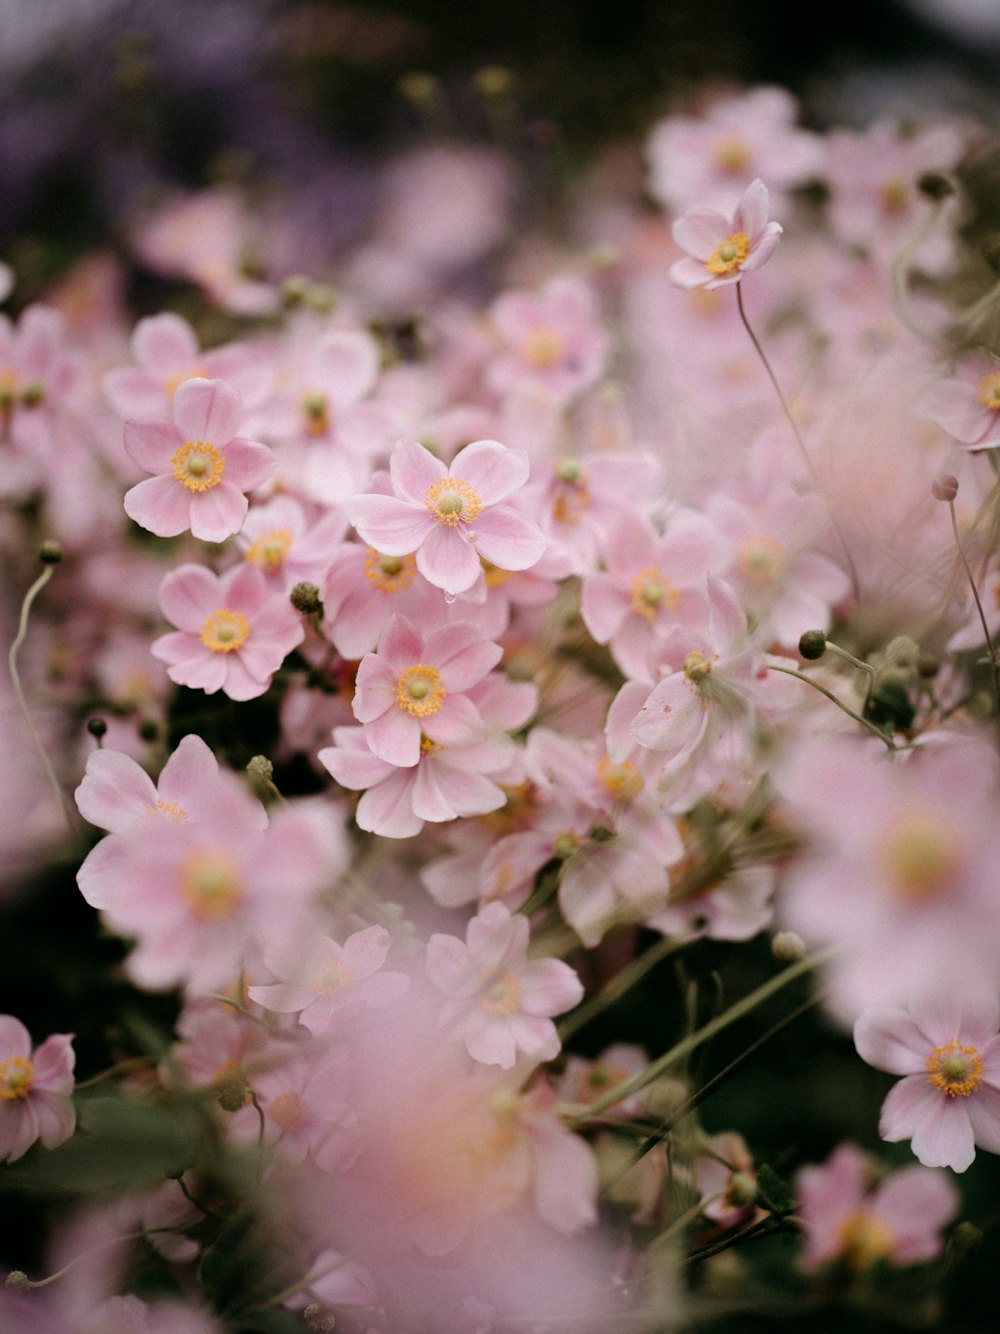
<point>18,1280</point>
<point>97,728</point>
<point>233,1094</point>
<point>33,394</point>
<point>564,845</point>
<point>742,1189</point>
<point>788,946</point>
<point>966,1237</point>
<point>944,487</point>
<point>149,730</point>
<point>902,652</point>
<point>306,598</point>
<point>260,767</point>
<point>812,645</point>
<point>934,185</point>
<point>419,88</point>
<point>568,470</point>
<point>493,81</point>
<point>294,290</point>
<point>50,552</point>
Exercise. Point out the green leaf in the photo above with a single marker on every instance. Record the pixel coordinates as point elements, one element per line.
<point>774,1193</point>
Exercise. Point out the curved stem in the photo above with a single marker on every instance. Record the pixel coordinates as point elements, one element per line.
<point>994,665</point>
<point>800,676</point>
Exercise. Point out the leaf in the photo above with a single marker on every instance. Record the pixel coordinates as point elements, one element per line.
<point>773,1192</point>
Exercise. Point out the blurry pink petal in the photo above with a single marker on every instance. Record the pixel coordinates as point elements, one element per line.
<point>207,410</point>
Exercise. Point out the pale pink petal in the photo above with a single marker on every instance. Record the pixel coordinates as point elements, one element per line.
<point>889,1039</point>
<point>689,274</point>
<point>248,463</point>
<point>192,766</point>
<point>375,688</point>
<point>764,249</point>
<point>282,998</point>
<point>188,596</point>
<point>508,539</point>
<point>461,656</point>
<point>548,987</point>
<point>448,561</point>
<point>604,604</point>
<point>160,505</point>
<point>983,1108</point>
<point>495,471</point>
<point>700,231</point>
<point>239,683</point>
<point>390,525</point>
<point>164,344</point>
<point>207,410</point>
<point>457,723</point>
<point>413,470</point>
<point>151,444</point>
<point>115,791</point>
<point>956,407</point>
<point>56,1120</point>
<point>493,1044</point>
<point>134,393</point>
<point>394,736</point>
<point>751,215</point>
<point>208,672</point>
<point>347,364</point>
<point>944,1138</point>
<point>15,1040</point>
<point>917,1203</point>
<point>353,765</point>
<point>401,644</point>
<point>387,808</point>
<point>218,513</point>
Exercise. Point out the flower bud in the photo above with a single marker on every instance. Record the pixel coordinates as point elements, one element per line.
<point>935,185</point>
<point>18,1280</point>
<point>742,1189</point>
<point>50,552</point>
<point>902,652</point>
<point>233,1093</point>
<point>788,946</point>
<point>944,487</point>
<point>306,598</point>
<point>97,728</point>
<point>966,1237</point>
<point>812,645</point>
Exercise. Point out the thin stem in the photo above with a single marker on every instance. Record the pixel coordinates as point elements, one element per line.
<point>15,648</point>
<point>680,1050</point>
<point>994,666</point>
<point>800,676</point>
<point>901,270</point>
<point>765,1228</point>
<point>621,983</point>
<point>852,569</point>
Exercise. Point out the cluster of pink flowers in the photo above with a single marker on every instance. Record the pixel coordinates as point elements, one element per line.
<point>522,617</point>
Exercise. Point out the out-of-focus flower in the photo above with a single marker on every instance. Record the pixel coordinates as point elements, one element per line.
<point>35,1089</point>
<point>720,249</point>
<point>948,1049</point>
<point>968,406</point>
<point>898,1221</point>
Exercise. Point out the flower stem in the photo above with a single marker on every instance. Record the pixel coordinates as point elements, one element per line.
<point>621,983</point>
<point>994,665</point>
<point>800,676</point>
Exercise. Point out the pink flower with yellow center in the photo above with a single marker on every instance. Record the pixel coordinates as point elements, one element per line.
<point>35,1089</point>
<point>948,1050</point>
<point>201,467</point>
<point>967,406</point>
<point>233,633</point>
<point>720,250</point>
<point>449,517</point>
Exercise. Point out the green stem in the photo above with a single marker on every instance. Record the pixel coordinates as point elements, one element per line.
<point>765,1228</point>
<point>994,665</point>
<point>800,676</point>
<point>621,983</point>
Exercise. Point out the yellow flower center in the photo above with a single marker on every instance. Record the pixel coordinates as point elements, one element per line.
<point>419,691</point>
<point>493,576</point>
<point>452,501</point>
<point>761,559</point>
<point>225,631</point>
<point>503,996</point>
<point>286,1110</point>
<point>427,745</point>
<point>9,384</point>
<point>16,1075</point>
<point>651,592</point>
<point>895,195</point>
<point>919,855</point>
<point>270,551</point>
<point>697,668</point>
<point>989,391</point>
<point>728,256</point>
<point>571,496</point>
<point>211,885</point>
<point>389,574</point>
<point>863,1239</point>
<point>197,465</point>
<point>542,348</point>
<point>732,154</point>
<point>621,781</point>
<point>332,978</point>
<point>954,1069</point>
<point>316,412</point>
<point>169,809</point>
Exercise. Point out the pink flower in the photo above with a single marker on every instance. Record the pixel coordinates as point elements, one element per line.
<point>201,466</point>
<point>414,687</point>
<point>552,339</point>
<point>843,1218</point>
<point>719,249</point>
<point>35,1089</point>
<point>233,635</point>
<point>449,517</point>
<point>968,406</point>
<point>948,1049</point>
<point>499,1003</point>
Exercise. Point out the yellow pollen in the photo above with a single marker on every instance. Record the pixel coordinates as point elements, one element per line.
<point>170,809</point>
<point>863,1239</point>
<point>761,559</point>
<point>895,195</point>
<point>271,550</point>
<point>9,384</point>
<point>954,1069</point>
<point>542,348</point>
<point>332,978</point>
<point>210,885</point>
<point>452,501</point>
<point>651,592</point>
<point>197,465</point>
<point>621,781</point>
<point>316,411</point>
<point>419,691</point>
<point>503,996</point>
<point>729,256</point>
<point>697,667</point>
<point>571,496</point>
<point>493,576</point>
<point>286,1111</point>
<point>175,381</point>
<point>225,631</point>
<point>989,391</point>
<point>732,154</point>
<point>16,1075</point>
<point>564,845</point>
<point>427,745</point>
<point>389,574</point>
<point>919,855</point>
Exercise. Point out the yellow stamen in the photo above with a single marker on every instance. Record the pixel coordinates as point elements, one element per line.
<point>211,885</point>
<point>503,995</point>
<point>316,411</point>
<point>452,501</point>
<point>989,391</point>
<point>389,574</point>
<point>761,559</point>
<point>697,668</point>
<point>16,1075</point>
<point>895,195</point>
<point>732,154</point>
<point>954,1069</point>
<point>270,551</point>
<point>729,256</point>
<point>197,465</point>
<point>863,1239</point>
<point>621,781</point>
<point>571,495</point>
<point>225,631</point>
<point>493,576</point>
<point>419,691</point>
<point>651,593</point>
<point>170,809</point>
<point>332,978</point>
<point>919,855</point>
<point>542,348</point>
